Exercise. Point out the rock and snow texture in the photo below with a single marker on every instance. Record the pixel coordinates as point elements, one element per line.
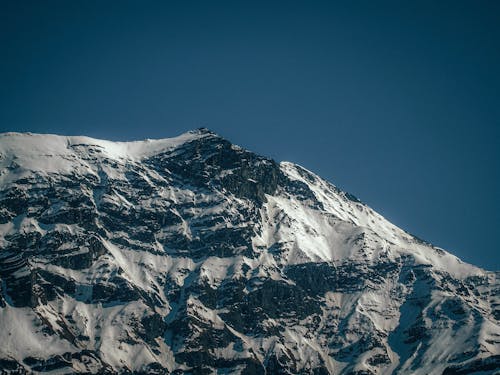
<point>192,255</point>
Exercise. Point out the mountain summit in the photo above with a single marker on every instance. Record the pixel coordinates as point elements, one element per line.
<point>192,255</point>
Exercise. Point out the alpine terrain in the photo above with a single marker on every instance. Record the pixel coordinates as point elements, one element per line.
<point>191,255</point>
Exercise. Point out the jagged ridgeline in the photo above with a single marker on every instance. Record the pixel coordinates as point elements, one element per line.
<point>192,255</point>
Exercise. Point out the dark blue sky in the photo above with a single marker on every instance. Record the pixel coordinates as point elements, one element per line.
<point>397,102</point>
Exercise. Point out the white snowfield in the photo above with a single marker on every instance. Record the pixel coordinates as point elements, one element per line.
<point>421,312</point>
<point>47,153</point>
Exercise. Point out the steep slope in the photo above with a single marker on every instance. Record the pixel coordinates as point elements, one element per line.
<point>191,255</point>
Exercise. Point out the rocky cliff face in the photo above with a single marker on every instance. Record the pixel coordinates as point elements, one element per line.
<point>192,255</point>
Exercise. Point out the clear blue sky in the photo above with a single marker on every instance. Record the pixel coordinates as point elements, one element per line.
<point>395,102</point>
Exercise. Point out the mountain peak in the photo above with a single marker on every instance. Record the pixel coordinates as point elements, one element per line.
<point>202,131</point>
<point>189,254</point>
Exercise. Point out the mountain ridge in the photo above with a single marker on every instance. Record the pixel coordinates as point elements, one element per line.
<point>211,257</point>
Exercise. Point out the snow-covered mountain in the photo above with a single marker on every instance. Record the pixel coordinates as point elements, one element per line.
<point>193,255</point>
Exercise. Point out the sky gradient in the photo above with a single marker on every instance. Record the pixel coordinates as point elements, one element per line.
<point>397,103</point>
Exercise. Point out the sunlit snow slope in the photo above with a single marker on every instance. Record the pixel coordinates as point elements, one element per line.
<point>193,255</point>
